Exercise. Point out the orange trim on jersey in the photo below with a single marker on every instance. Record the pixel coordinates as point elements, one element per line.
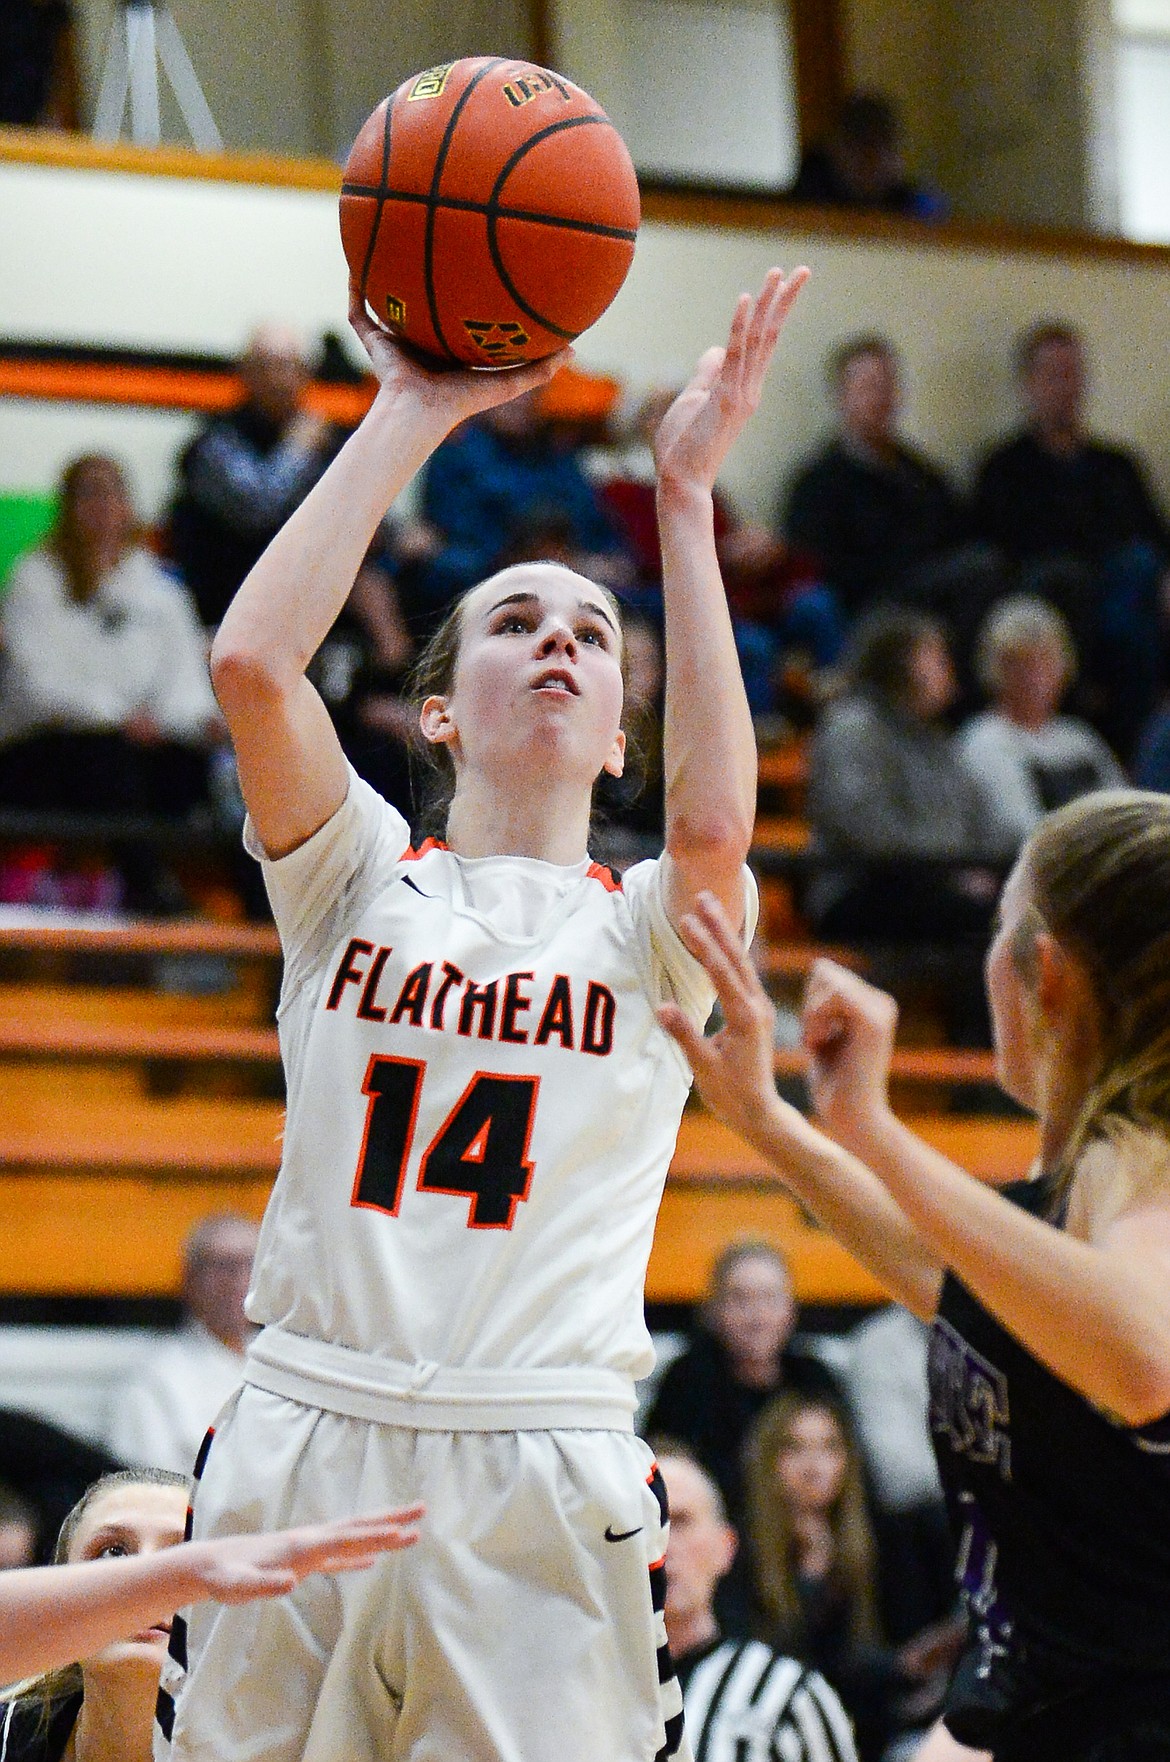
<point>657,1565</point>
<point>410,855</point>
<point>598,872</point>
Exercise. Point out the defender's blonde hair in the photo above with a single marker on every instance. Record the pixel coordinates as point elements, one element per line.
<point>1099,873</point>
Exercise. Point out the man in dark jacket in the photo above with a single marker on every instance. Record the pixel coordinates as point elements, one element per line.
<point>245,472</point>
<point>1077,519</point>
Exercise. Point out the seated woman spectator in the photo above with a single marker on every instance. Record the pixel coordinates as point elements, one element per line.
<point>815,1570</point>
<point>744,1354</point>
<point>889,786</point>
<point>105,702</point>
<point>1029,757</point>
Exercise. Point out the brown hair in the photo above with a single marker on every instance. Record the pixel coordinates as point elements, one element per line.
<point>65,540</point>
<point>54,1686</point>
<point>855,348</point>
<point>1099,873</point>
<point>433,675</point>
<point>1039,336</point>
<point>879,656</point>
<point>852,1574</point>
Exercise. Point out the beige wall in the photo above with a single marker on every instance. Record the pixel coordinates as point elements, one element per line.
<point>300,76</point>
<point>172,263</point>
<point>997,94</point>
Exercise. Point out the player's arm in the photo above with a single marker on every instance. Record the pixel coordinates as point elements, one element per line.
<point>51,1616</point>
<point>734,1073</point>
<point>1096,1311</point>
<point>709,749</point>
<point>292,770</point>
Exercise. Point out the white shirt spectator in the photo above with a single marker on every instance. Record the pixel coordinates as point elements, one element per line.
<point>166,1410</point>
<point>89,666</point>
<point>885,1386</point>
<point>1029,771</point>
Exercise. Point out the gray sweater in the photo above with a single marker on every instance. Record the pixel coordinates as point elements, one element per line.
<point>884,784</point>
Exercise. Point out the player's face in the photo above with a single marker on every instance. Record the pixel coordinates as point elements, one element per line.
<point>135,1518</point>
<point>538,683</point>
<point>812,1461</point>
<point>1015,1019</point>
<point>700,1547</point>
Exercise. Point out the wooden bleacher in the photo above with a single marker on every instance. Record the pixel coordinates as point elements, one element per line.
<point>128,1109</point>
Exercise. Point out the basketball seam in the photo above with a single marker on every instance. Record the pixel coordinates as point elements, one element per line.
<point>464,205</point>
<point>432,201</point>
<point>380,194</point>
<point>492,215</point>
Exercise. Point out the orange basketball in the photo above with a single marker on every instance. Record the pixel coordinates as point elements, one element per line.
<point>489,211</point>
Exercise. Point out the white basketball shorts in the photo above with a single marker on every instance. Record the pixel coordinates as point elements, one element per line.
<point>524,1626</point>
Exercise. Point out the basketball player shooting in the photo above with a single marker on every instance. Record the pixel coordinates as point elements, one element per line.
<point>482,1104</point>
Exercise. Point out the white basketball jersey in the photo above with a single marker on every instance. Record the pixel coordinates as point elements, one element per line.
<point>482,1105</point>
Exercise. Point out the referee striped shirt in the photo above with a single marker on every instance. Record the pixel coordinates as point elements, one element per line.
<point>745,1703</point>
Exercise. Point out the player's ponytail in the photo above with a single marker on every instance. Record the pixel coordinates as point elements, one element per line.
<point>1099,872</point>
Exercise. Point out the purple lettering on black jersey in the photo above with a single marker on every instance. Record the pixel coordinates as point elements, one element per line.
<point>969,1400</point>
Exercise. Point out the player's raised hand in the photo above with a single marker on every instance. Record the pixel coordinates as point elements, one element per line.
<point>847,1026</point>
<point>456,393</point>
<point>696,434</point>
<point>733,1068</point>
<point>239,1569</point>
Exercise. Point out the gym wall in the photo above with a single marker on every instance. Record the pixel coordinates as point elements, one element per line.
<point>96,255</point>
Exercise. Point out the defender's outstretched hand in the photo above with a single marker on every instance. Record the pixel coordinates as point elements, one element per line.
<point>51,1616</point>
<point>848,1030</point>
<point>697,431</point>
<point>238,1569</point>
<point>458,392</point>
<point>733,1068</point>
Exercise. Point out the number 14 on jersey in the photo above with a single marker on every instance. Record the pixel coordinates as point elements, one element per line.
<point>480,1152</point>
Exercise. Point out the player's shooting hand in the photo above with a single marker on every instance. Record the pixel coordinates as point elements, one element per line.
<point>733,1068</point>
<point>847,1026</point>
<point>238,1569</point>
<point>453,393</point>
<point>696,434</point>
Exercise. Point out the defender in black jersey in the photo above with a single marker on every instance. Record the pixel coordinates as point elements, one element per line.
<point>1050,1363</point>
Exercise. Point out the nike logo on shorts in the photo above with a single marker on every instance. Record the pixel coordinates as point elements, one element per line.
<point>621,1536</point>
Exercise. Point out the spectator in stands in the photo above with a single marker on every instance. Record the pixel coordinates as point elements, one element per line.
<point>743,1702</point>
<point>166,1410</point>
<point>39,86</point>
<point>1076,516</point>
<point>103,1707</point>
<point>860,164</point>
<point>815,1570</point>
<point>889,786</point>
<point>105,702</point>
<point>884,1380</point>
<point>1029,757</point>
<point>503,487</point>
<point>49,1469</point>
<point>18,1530</point>
<point>778,606</point>
<point>878,518</point>
<point>745,1351</point>
<point>245,472</point>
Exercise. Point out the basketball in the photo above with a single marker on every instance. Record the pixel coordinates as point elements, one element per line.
<point>489,211</point>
